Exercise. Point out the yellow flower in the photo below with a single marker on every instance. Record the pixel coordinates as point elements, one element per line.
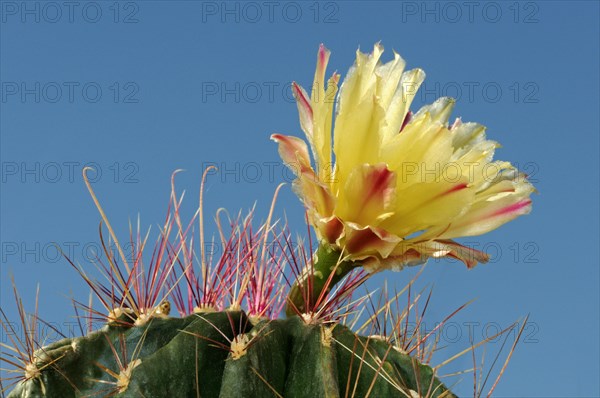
<point>402,185</point>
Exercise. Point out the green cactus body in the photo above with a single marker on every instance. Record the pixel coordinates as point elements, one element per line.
<point>195,357</point>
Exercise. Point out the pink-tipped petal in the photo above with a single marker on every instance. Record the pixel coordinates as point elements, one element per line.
<point>456,188</point>
<point>322,60</point>
<point>394,262</point>
<point>331,228</point>
<point>469,256</point>
<point>305,111</point>
<point>514,209</point>
<point>294,153</point>
<point>362,242</point>
<point>491,211</point>
<point>314,194</point>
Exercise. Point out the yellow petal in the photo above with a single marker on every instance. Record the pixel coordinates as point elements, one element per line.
<point>398,108</point>
<point>322,101</point>
<point>356,137</point>
<point>368,194</point>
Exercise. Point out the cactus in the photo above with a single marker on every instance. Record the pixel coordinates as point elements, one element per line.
<point>203,355</point>
<point>229,340</point>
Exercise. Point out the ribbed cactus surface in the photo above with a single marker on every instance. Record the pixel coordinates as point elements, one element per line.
<point>224,354</point>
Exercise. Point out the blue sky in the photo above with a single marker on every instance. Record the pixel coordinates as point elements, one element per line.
<point>139,89</point>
